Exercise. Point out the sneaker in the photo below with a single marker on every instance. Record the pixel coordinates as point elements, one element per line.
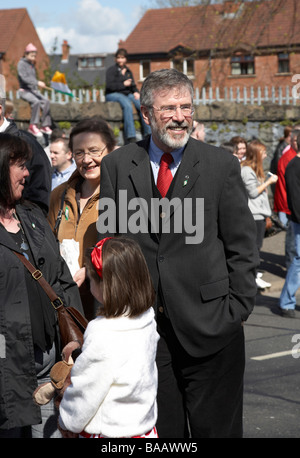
<point>261,284</point>
<point>35,131</point>
<point>288,313</point>
<point>46,130</point>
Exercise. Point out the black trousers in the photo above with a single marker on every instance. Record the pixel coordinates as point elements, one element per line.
<point>199,397</point>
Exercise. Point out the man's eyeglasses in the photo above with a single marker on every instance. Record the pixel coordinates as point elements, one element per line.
<point>170,111</point>
<point>79,155</point>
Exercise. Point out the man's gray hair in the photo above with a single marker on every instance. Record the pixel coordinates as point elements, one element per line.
<point>163,79</point>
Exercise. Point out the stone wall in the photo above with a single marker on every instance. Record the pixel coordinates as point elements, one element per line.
<point>222,120</point>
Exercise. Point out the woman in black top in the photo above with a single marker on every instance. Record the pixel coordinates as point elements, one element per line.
<point>121,88</point>
<point>29,341</point>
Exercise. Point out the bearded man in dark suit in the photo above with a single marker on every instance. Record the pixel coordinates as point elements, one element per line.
<point>199,242</point>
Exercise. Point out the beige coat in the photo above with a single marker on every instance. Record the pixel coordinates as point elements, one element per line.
<point>82,229</point>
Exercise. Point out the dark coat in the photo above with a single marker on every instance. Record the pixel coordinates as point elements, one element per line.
<point>115,81</point>
<point>209,287</point>
<point>17,363</point>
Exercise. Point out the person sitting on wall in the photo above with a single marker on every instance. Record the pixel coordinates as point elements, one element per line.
<point>29,85</point>
<point>121,88</point>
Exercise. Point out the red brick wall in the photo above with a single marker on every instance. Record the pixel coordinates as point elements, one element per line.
<point>26,34</point>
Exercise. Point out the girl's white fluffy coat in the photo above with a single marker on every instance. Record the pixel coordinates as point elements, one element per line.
<point>114,380</point>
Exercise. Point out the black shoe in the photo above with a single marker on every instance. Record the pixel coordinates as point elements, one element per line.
<point>288,313</point>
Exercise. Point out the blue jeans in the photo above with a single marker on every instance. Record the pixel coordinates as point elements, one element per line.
<point>283,218</point>
<point>292,281</point>
<point>126,104</point>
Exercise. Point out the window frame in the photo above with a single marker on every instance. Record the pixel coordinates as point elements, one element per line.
<point>283,58</point>
<point>142,73</point>
<point>185,61</point>
<point>243,62</point>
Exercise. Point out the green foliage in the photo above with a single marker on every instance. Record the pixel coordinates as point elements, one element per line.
<point>65,125</point>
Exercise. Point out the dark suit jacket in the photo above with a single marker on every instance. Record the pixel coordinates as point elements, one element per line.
<point>209,287</point>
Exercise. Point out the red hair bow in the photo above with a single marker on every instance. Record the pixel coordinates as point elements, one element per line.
<point>96,256</point>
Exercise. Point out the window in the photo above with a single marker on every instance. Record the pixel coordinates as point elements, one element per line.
<point>242,65</point>
<point>144,69</point>
<point>89,62</point>
<point>283,62</point>
<point>185,66</point>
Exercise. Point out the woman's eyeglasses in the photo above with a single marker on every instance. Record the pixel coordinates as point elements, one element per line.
<point>79,155</point>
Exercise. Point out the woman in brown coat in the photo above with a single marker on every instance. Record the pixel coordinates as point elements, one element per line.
<point>90,140</point>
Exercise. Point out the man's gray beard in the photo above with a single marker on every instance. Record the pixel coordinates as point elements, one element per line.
<point>164,136</point>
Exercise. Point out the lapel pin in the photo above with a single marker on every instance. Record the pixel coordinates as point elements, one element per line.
<point>33,225</point>
<point>185,180</point>
<point>67,213</point>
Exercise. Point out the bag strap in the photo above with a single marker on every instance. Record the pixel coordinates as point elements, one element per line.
<point>60,212</point>
<point>38,276</point>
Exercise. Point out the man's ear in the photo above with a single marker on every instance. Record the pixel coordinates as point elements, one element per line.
<point>146,114</point>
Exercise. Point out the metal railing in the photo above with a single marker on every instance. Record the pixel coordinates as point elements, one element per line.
<point>205,96</point>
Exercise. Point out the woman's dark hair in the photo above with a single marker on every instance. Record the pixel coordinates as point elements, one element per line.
<point>96,125</point>
<point>127,285</point>
<point>12,149</point>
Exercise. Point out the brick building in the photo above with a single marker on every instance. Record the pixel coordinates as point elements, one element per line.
<point>81,70</point>
<point>234,44</point>
<point>16,31</point>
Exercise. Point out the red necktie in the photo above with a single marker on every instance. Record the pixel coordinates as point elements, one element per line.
<point>165,176</point>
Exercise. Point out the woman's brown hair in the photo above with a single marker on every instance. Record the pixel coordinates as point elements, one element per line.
<point>254,158</point>
<point>127,285</point>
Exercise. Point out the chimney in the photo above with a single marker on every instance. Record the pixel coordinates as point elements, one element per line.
<point>65,51</point>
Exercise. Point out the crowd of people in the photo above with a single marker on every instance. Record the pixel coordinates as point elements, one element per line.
<point>164,350</point>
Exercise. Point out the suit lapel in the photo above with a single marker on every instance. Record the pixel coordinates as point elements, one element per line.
<point>187,173</point>
<point>141,175</point>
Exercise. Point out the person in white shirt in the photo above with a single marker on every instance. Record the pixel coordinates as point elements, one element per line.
<point>62,161</point>
<point>114,380</point>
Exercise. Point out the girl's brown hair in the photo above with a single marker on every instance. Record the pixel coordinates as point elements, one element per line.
<point>254,158</point>
<point>127,285</point>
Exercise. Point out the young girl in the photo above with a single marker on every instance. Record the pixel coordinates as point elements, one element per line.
<point>114,380</point>
<point>256,186</point>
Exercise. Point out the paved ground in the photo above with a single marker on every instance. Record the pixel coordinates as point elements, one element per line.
<point>272,389</point>
<point>273,262</point>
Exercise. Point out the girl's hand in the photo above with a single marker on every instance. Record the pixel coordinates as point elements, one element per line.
<point>273,178</point>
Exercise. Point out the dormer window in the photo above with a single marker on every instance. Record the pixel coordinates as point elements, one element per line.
<point>89,62</point>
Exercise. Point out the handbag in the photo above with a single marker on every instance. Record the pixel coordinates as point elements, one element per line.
<point>71,322</point>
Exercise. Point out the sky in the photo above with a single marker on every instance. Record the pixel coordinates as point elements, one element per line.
<point>90,26</point>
